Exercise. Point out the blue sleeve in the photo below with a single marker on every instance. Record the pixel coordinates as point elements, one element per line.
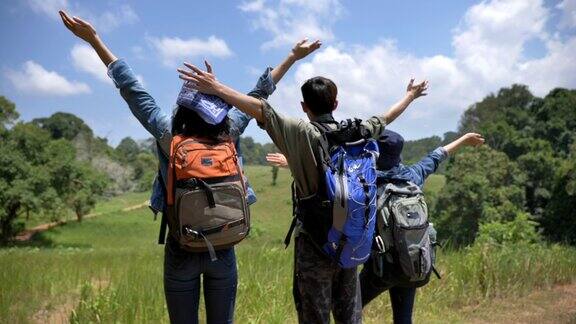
<point>264,88</point>
<point>265,85</point>
<point>140,102</point>
<point>428,165</point>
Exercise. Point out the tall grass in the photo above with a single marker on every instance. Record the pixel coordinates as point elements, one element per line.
<point>109,269</point>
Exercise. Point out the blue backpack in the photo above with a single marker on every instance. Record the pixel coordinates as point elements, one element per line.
<point>341,217</point>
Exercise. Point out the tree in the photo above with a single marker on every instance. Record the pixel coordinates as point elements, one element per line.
<point>556,119</point>
<point>145,169</point>
<point>127,150</point>
<point>42,175</point>
<point>255,153</point>
<point>507,105</point>
<point>8,113</point>
<point>559,221</point>
<point>482,185</point>
<point>413,151</point>
<point>63,125</point>
<point>274,174</point>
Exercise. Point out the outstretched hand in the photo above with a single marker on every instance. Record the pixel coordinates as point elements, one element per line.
<point>79,27</point>
<point>473,139</point>
<point>277,159</point>
<point>303,48</point>
<point>203,81</point>
<point>417,90</point>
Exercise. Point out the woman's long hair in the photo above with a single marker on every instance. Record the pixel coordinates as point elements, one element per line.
<point>188,123</point>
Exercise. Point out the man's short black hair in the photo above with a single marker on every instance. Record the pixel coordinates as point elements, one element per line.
<point>319,95</point>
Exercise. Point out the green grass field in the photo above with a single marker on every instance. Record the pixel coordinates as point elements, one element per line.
<point>109,269</point>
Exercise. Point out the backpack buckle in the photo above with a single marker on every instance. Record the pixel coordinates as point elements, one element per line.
<point>188,231</point>
<point>380,243</point>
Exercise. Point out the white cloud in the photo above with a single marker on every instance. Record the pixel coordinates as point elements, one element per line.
<point>109,20</point>
<point>103,22</point>
<point>174,50</point>
<point>568,13</point>
<point>291,20</point>
<point>489,53</point>
<point>48,7</point>
<point>491,40</point>
<point>85,59</point>
<point>35,79</point>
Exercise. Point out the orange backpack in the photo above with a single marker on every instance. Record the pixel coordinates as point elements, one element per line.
<point>207,207</point>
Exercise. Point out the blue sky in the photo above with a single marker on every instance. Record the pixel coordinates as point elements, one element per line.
<point>466,49</point>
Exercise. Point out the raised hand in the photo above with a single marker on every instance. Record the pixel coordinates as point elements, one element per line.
<point>473,139</point>
<point>417,90</point>
<point>79,27</point>
<point>277,159</point>
<point>303,48</point>
<point>203,81</point>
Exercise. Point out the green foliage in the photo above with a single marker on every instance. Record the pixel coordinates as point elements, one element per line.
<point>535,133</point>
<point>559,221</point>
<point>413,151</point>
<point>41,175</point>
<point>274,174</point>
<point>556,118</point>
<point>109,269</point>
<point>255,153</point>
<point>63,125</point>
<point>144,170</point>
<point>8,113</point>
<point>482,185</point>
<point>519,230</point>
<point>127,150</point>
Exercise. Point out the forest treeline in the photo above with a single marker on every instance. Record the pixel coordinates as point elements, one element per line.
<point>521,186</point>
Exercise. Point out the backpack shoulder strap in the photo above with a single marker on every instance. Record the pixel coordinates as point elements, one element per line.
<point>324,144</point>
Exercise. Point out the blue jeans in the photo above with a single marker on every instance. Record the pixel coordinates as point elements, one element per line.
<point>182,275</point>
<point>402,298</point>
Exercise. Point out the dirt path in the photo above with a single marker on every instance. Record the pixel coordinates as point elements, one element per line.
<point>555,305</point>
<point>27,234</point>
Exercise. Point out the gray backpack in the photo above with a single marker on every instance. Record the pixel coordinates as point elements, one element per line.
<point>405,239</point>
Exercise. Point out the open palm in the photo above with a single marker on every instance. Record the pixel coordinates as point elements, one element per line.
<point>79,27</point>
<point>417,90</point>
<point>303,48</point>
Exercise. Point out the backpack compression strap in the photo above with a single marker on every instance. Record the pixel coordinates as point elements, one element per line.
<point>294,219</point>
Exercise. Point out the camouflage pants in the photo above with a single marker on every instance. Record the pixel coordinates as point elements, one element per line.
<point>320,287</point>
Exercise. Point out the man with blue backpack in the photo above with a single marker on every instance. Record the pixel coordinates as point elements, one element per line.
<point>333,166</point>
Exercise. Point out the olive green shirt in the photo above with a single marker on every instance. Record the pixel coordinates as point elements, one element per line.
<point>299,141</point>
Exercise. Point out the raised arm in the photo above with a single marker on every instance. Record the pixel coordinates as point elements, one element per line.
<point>469,139</point>
<point>299,51</point>
<point>412,92</point>
<point>140,102</point>
<point>84,30</point>
<point>429,164</point>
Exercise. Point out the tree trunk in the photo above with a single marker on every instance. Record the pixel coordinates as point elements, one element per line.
<point>6,223</point>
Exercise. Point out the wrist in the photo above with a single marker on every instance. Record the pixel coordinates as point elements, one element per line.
<point>410,96</point>
<point>94,41</point>
<point>219,89</point>
<point>291,58</point>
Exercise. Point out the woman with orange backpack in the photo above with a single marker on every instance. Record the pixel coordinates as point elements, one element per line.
<point>199,188</point>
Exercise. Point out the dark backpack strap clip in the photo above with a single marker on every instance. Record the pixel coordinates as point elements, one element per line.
<point>163,226</point>
<point>294,219</point>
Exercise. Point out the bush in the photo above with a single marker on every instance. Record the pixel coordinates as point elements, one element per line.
<point>520,230</point>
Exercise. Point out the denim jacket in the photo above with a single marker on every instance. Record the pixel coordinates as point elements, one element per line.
<point>417,172</point>
<point>159,124</point>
